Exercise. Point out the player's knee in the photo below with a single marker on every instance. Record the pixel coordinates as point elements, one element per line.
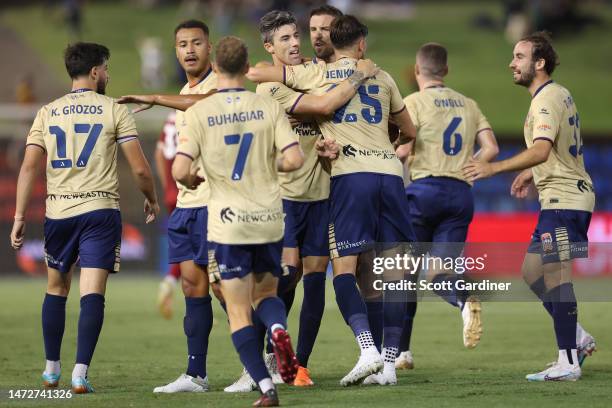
<point>239,315</point>
<point>315,264</point>
<point>58,288</point>
<point>194,287</point>
<point>216,289</point>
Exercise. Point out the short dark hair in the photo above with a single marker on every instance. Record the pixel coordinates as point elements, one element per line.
<point>81,57</point>
<point>346,30</point>
<point>433,57</point>
<point>192,24</point>
<point>231,55</point>
<point>325,10</point>
<point>542,49</point>
<point>272,21</point>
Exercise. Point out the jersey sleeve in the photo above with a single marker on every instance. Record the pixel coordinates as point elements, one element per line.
<point>546,119</point>
<point>36,136</point>
<point>190,135</point>
<point>481,121</point>
<point>287,97</point>
<point>413,111</point>
<point>125,127</point>
<point>304,77</point>
<point>284,137</point>
<point>396,102</point>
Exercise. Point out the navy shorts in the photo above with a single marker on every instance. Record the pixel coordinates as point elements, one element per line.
<point>187,238</point>
<point>441,210</point>
<point>561,235</point>
<point>228,261</point>
<point>364,209</point>
<point>306,226</point>
<point>94,238</point>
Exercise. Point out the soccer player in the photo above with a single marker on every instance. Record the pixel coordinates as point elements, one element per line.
<point>305,191</point>
<point>553,161</point>
<point>187,224</point>
<point>376,210</point>
<point>164,156</point>
<point>320,23</point>
<point>80,134</point>
<point>242,140</point>
<point>319,27</point>
<point>448,126</point>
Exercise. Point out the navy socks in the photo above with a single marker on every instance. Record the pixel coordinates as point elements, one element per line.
<point>90,325</point>
<point>197,325</point>
<point>53,323</point>
<point>311,315</point>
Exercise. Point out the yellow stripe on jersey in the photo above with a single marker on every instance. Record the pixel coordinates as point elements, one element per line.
<point>236,135</point>
<point>562,181</point>
<point>198,197</point>
<point>360,127</point>
<point>310,182</point>
<point>80,132</point>
<point>447,123</point>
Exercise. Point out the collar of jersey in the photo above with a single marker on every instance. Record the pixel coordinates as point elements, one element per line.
<point>436,86</point>
<point>231,90</point>
<point>204,77</point>
<point>542,87</point>
<point>81,90</point>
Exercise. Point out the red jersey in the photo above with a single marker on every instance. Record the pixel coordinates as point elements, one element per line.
<point>167,144</point>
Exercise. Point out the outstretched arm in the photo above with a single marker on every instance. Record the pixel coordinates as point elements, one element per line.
<point>327,103</point>
<point>536,154</point>
<point>180,102</point>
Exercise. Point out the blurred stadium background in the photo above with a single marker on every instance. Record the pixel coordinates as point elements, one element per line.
<point>479,36</point>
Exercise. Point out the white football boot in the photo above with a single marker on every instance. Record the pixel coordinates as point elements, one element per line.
<point>472,323</point>
<point>557,372</point>
<point>370,362</point>
<point>243,384</point>
<point>386,377</point>
<point>185,383</point>
<point>270,360</point>
<point>562,370</point>
<point>405,361</point>
<point>585,344</point>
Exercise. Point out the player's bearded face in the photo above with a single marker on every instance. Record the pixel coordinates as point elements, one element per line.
<point>192,50</point>
<point>522,65</point>
<point>319,36</point>
<point>102,79</point>
<point>287,45</point>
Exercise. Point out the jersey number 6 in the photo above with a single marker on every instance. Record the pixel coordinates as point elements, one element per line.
<point>449,146</point>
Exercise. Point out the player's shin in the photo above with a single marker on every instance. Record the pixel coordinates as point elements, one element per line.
<point>565,316</point>
<point>353,309</point>
<point>90,324</point>
<point>375,309</point>
<point>53,323</point>
<point>246,344</point>
<point>197,325</point>
<point>311,314</point>
<point>286,287</point>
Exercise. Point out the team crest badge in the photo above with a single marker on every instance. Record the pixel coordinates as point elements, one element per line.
<point>547,242</point>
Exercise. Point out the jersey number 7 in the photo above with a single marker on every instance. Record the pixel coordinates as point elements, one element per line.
<point>243,151</point>
<point>92,132</point>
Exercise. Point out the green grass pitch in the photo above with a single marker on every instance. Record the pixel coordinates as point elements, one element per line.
<point>138,350</point>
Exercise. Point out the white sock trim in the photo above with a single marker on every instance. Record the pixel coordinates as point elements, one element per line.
<point>53,367</point>
<point>265,385</point>
<point>80,370</point>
